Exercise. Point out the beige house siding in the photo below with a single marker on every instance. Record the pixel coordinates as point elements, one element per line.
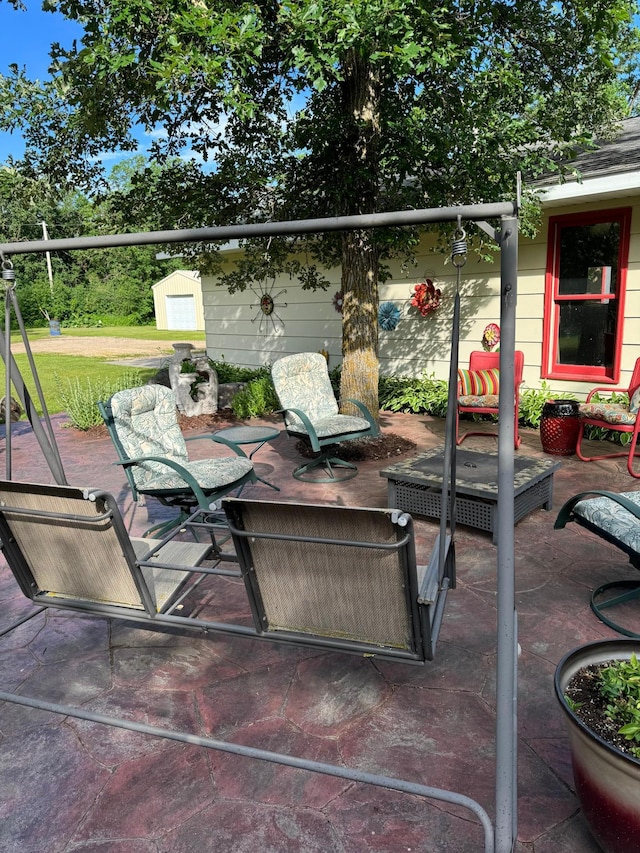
<point>180,283</point>
<point>311,323</point>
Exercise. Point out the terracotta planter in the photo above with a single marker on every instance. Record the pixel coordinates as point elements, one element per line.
<point>607,780</point>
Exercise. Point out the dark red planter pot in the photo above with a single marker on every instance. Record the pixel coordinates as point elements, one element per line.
<point>559,427</point>
<point>607,780</point>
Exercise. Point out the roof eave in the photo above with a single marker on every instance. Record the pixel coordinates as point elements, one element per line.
<point>592,189</point>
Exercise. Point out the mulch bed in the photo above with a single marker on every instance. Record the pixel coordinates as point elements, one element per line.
<point>383,447</point>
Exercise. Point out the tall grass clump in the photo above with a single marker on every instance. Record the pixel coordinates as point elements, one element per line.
<point>79,398</point>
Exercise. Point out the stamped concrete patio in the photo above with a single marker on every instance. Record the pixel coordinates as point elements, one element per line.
<point>69,785</point>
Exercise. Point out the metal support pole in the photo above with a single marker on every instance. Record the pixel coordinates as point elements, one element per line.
<point>268,229</point>
<point>338,771</point>
<point>6,354</point>
<point>49,447</point>
<point>506,669</point>
<point>52,452</point>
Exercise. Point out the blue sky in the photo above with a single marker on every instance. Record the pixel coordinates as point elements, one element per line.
<point>26,39</point>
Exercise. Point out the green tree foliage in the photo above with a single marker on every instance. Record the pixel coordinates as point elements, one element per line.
<point>327,107</point>
<point>86,287</point>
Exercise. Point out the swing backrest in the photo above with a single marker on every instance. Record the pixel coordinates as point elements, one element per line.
<point>346,576</point>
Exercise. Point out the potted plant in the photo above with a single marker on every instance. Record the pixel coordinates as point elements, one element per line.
<point>598,687</point>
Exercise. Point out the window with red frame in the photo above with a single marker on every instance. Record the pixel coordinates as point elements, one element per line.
<point>584,295</point>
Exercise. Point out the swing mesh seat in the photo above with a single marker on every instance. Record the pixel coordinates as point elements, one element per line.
<point>333,578</point>
<point>68,548</point>
<point>340,577</point>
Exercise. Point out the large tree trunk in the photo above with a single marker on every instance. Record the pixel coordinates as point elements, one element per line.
<point>360,102</point>
<point>360,320</point>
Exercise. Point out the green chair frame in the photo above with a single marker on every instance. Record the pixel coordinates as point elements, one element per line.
<point>614,517</point>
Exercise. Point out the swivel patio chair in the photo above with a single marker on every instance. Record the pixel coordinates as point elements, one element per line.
<point>614,517</point>
<point>143,425</point>
<point>619,417</point>
<point>311,413</point>
<point>478,389</point>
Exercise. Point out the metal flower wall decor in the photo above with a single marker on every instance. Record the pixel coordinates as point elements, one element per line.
<point>388,316</point>
<point>491,337</point>
<point>426,297</point>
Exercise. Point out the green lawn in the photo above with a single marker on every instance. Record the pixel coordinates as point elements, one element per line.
<point>57,372</point>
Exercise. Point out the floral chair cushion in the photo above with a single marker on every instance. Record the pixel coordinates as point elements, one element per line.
<point>617,521</point>
<point>612,413</point>
<point>489,401</point>
<point>147,425</point>
<point>634,402</point>
<point>302,382</point>
<point>335,426</point>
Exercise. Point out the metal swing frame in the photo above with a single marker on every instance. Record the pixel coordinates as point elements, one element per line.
<point>500,836</point>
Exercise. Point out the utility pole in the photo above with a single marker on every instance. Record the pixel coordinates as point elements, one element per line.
<point>45,236</point>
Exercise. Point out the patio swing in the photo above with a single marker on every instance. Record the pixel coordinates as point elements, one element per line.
<point>334,578</point>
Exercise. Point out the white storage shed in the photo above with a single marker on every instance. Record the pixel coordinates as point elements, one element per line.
<point>177,300</point>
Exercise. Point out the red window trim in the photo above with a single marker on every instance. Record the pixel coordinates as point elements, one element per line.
<point>550,368</point>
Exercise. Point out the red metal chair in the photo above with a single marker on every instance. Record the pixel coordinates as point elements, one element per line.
<point>619,417</point>
<point>483,372</point>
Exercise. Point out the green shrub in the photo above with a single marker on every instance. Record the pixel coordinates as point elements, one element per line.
<point>256,399</point>
<point>335,376</point>
<point>235,373</point>
<point>532,401</point>
<point>79,398</point>
<point>92,321</point>
<point>425,395</point>
<point>620,687</point>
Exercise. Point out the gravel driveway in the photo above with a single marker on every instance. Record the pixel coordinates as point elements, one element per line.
<point>103,347</point>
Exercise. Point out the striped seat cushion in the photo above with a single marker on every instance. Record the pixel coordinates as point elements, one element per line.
<point>478,383</point>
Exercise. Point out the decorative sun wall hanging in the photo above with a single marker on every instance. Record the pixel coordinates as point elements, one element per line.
<point>269,318</point>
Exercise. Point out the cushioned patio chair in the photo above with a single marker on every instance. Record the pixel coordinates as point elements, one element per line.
<point>619,417</point>
<point>479,387</point>
<point>311,413</point>
<point>143,425</point>
<point>614,517</point>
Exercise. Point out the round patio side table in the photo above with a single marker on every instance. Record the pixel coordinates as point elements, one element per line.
<point>250,435</point>
<point>559,427</point>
